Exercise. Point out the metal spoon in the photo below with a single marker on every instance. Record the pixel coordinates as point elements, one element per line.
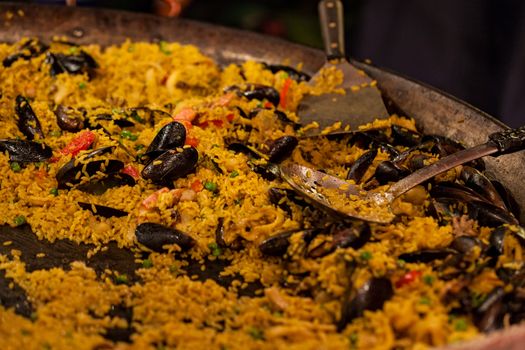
<point>348,200</point>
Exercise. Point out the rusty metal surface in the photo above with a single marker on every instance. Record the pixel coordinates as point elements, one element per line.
<point>435,112</point>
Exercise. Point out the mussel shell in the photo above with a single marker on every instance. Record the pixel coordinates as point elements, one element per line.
<point>282,148</point>
<point>155,237</point>
<point>277,245</point>
<point>508,198</point>
<point>489,315</point>
<point>239,147</point>
<point>361,165</point>
<point>343,235</point>
<point>99,186</point>
<point>257,92</point>
<point>387,171</point>
<point>28,122</point>
<point>171,165</point>
<point>465,244</point>
<point>69,119</point>
<point>121,121</point>
<point>371,296</point>
<point>405,137</point>
<point>72,64</point>
<point>489,215</point>
<point>284,118</point>
<point>171,136</point>
<point>292,72</point>
<point>31,48</point>
<point>26,151</point>
<point>102,210</point>
<point>478,182</point>
<point>426,255</point>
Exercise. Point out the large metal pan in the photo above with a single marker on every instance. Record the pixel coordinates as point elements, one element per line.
<point>434,111</point>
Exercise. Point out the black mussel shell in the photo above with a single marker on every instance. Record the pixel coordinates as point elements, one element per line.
<point>277,245</point>
<point>478,182</point>
<point>405,137</point>
<point>427,255</point>
<point>69,119</point>
<point>171,136</point>
<point>120,121</point>
<point>465,244</point>
<point>72,64</point>
<point>102,210</point>
<point>257,92</point>
<point>282,148</point>
<point>489,315</point>
<point>239,147</point>
<point>26,151</point>
<point>99,186</point>
<point>361,165</point>
<point>28,122</point>
<point>343,235</point>
<point>489,215</point>
<point>284,118</point>
<point>371,296</point>
<point>31,48</point>
<point>156,236</point>
<point>171,165</point>
<point>388,171</point>
<point>292,72</point>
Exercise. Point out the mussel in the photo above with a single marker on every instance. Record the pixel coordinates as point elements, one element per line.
<point>72,64</point>
<point>343,235</point>
<point>67,176</point>
<point>282,148</point>
<point>257,92</point>
<point>29,49</point>
<point>361,165</point>
<point>371,296</point>
<point>171,136</point>
<point>156,236</point>
<point>102,210</point>
<point>292,72</point>
<point>23,151</point>
<point>28,122</point>
<point>69,119</point>
<point>171,165</point>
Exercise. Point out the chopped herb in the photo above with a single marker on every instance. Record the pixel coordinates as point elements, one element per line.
<point>460,325</point>
<point>54,191</point>
<point>366,255</point>
<point>131,48</point>
<point>174,269</point>
<point>25,331</point>
<point>401,262</point>
<point>116,111</point>
<point>425,301</point>
<point>163,48</point>
<point>55,133</point>
<point>215,249</point>
<point>210,186</point>
<point>139,147</point>
<point>477,299</point>
<point>128,135</point>
<point>428,279</point>
<point>255,333</point>
<point>238,201</point>
<point>147,263</point>
<point>73,49</point>
<point>121,279</point>
<point>234,173</point>
<point>278,314</point>
<point>16,167</point>
<point>33,316</point>
<point>82,85</point>
<point>20,220</point>
<point>214,145</point>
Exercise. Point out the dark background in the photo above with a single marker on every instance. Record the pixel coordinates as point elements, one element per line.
<point>473,49</point>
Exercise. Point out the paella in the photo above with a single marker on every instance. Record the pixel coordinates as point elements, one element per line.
<point>156,150</point>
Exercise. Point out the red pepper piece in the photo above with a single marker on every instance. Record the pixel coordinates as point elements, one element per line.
<point>408,278</point>
<point>131,171</point>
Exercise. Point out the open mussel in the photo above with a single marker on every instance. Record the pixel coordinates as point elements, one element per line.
<point>79,63</point>
<point>257,92</point>
<point>98,186</point>
<point>156,236</point>
<point>171,165</point>
<point>28,122</point>
<point>291,72</point>
<point>478,182</point>
<point>405,137</point>
<point>27,50</point>
<point>23,151</point>
<point>341,235</point>
<point>388,171</point>
<point>68,175</point>
<point>69,119</point>
<point>277,245</point>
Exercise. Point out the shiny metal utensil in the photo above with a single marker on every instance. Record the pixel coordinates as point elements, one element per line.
<point>362,102</point>
<point>376,206</point>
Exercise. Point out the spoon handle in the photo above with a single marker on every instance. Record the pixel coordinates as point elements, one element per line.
<point>503,142</point>
<point>332,27</point>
